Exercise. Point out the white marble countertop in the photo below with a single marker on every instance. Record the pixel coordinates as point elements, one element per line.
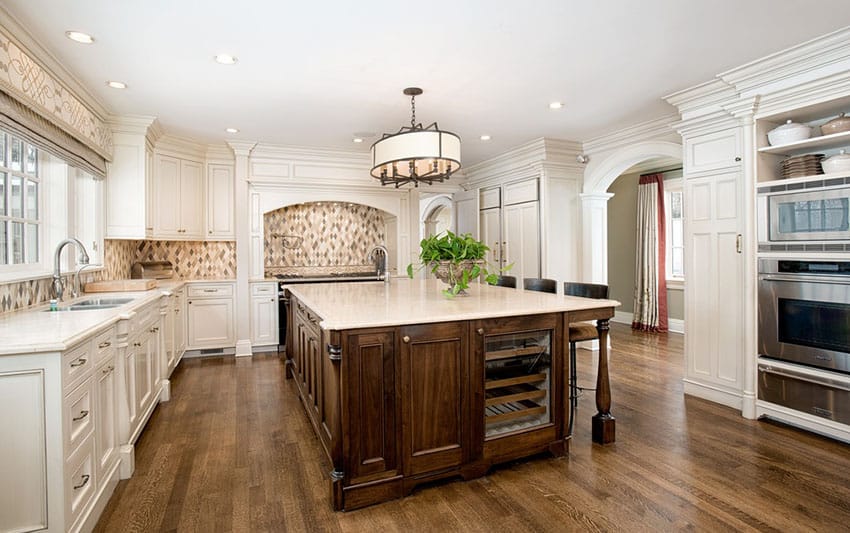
<point>405,301</point>
<point>36,330</point>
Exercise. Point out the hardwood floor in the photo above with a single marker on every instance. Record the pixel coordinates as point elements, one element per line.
<point>233,451</point>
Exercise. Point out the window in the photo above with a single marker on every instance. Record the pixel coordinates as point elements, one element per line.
<point>43,200</point>
<point>20,211</point>
<point>675,231</point>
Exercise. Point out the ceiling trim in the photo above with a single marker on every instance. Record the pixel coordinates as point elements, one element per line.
<point>633,134</point>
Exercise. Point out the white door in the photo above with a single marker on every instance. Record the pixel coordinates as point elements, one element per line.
<point>191,199</point>
<point>210,323</point>
<point>491,235</point>
<point>263,320</point>
<point>522,240</point>
<point>714,291</point>
<point>167,185</point>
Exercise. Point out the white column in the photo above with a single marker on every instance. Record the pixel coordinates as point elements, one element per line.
<point>594,232</point>
<point>242,216</point>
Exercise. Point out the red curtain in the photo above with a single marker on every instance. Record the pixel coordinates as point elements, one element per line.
<point>650,305</point>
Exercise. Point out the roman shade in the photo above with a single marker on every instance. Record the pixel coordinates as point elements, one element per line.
<point>24,122</point>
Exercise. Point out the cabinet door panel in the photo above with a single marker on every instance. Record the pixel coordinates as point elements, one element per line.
<point>522,237</point>
<point>491,234</point>
<point>220,202</point>
<point>263,320</point>
<point>372,405</point>
<point>191,196</point>
<point>210,323</point>
<point>105,427</point>
<point>167,221</point>
<point>435,371</point>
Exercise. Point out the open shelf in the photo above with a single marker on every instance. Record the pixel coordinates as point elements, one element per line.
<point>513,352</point>
<point>513,393</point>
<point>824,142</point>
<point>528,378</point>
<point>511,411</point>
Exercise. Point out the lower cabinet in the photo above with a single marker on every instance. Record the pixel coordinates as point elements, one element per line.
<point>264,314</point>
<point>209,316</point>
<point>175,330</point>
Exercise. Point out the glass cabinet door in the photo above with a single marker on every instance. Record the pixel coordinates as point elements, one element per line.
<point>517,381</point>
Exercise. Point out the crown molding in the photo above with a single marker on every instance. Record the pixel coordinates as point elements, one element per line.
<point>180,147</point>
<point>312,154</point>
<point>633,134</point>
<point>518,161</point>
<point>18,34</point>
<point>131,124</point>
<point>219,153</point>
<point>819,57</point>
<point>703,99</point>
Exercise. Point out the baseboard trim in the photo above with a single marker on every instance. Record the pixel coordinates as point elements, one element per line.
<point>243,348</point>
<point>713,394</point>
<point>674,325</point>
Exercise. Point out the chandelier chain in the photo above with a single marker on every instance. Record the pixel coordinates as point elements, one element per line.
<point>413,111</point>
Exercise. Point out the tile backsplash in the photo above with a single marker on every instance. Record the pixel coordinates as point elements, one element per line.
<point>191,259</point>
<point>321,235</point>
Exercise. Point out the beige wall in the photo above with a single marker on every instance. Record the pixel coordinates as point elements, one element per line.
<point>622,227</point>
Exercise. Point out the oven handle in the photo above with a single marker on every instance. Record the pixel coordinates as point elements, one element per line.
<point>804,377</point>
<point>833,280</point>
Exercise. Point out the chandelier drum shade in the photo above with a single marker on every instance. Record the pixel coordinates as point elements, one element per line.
<point>415,154</point>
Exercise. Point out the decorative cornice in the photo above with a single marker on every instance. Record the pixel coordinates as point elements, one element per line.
<point>702,99</point>
<point>28,81</point>
<point>340,158</point>
<point>518,162</point>
<point>241,148</point>
<point>633,134</point>
<point>180,147</point>
<point>219,153</point>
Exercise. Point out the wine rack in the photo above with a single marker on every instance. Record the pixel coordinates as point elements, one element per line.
<point>516,381</point>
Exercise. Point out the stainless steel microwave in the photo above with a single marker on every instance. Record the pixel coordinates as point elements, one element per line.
<point>808,215</point>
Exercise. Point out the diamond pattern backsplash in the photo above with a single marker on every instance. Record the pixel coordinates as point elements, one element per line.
<point>192,260</point>
<point>320,236</point>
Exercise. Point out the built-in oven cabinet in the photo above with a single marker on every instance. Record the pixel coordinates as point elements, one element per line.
<point>264,314</point>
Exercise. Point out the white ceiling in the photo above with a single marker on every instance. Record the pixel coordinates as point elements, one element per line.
<point>313,73</point>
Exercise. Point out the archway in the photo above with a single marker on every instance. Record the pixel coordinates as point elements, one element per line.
<point>594,199</point>
<point>436,216</point>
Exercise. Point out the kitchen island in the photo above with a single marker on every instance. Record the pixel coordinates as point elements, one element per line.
<point>404,386</point>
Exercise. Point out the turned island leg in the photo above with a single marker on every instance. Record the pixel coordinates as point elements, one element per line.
<point>603,421</point>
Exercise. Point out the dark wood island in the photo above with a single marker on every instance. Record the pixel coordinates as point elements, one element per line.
<point>404,386</point>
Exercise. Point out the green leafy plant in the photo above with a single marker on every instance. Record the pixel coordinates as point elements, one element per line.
<point>457,259</point>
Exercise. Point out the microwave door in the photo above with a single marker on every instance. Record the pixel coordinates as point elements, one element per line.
<point>812,216</point>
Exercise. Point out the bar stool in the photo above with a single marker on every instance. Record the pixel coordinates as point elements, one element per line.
<point>581,331</point>
<point>506,281</point>
<point>540,285</point>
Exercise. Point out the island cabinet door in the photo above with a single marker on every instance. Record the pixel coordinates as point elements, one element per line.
<point>434,396</point>
<point>371,446</point>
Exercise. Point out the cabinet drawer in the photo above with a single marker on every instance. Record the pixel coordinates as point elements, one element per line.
<point>104,345</point>
<point>76,364</point>
<point>79,480</point>
<point>78,414</point>
<point>264,289</point>
<point>210,291</point>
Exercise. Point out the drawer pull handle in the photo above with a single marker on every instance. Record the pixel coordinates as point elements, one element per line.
<point>481,331</point>
<point>406,339</point>
<point>83,414</point>
<point>79,362</point>
<point>108,369</point>
<point>85,481</point>
<point>210,290</point>
<point>137,344</point>
<point>154,330</point>
<point>106,344</point>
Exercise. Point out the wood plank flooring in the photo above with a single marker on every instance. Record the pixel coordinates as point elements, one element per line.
<point>233,451</point>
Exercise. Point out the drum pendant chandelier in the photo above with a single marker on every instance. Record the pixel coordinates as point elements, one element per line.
<point>415,154</point>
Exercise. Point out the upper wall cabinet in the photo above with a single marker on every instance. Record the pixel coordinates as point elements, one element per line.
<point>712,152</point>
<point>179,190</point>
<point>129,189</point>
<point>220,219</point>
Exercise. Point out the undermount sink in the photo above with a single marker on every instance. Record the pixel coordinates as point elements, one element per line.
<point>94,303</point>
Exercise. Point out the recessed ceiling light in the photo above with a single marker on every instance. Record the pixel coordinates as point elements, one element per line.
<point>231,130</point>
<point>357,139</point>
<point>117,84</point>
<point>79,37</point>
<point>485,137</point>
<point>556,105</point>
<point>226,59</point>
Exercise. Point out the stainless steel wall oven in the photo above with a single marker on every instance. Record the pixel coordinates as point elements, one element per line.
<point>804,319</point>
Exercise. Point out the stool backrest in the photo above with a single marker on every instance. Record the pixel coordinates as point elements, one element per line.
<point>540,285</point>
<point>506,281</point>
<point>586,290</point>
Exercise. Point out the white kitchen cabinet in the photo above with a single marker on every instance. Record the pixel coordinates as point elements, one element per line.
<point>264,314</point>
<point>179,192</point>
<point>62,463</point>
<point>175,330</point>
<point>522,240</point>
<point>129,188</point>
<point>714,294</point>
<point>209,316</point>
<point>220,209</point>
<point>713,151</point>
<point>509,223</point>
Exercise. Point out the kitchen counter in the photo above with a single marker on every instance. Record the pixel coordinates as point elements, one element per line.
<point>406,301</point>
<point>36,330</point>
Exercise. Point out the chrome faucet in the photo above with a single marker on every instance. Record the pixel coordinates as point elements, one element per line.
<point>381,257</point>
<point>58,287</point>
